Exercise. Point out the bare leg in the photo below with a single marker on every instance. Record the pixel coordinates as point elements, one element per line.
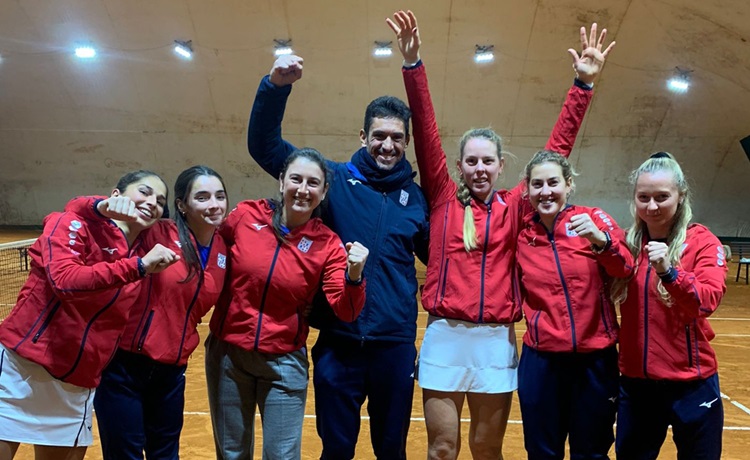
<point>442,414</point>
<point>59,453</point>
<point>489,418</point>
<point>8,450</point>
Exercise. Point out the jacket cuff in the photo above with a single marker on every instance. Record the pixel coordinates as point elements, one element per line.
<point>410,67</point>
<point>670,276</point>
<point>582,85</point>
<point>607,245</point>
<point>353,283</point>
<point>267,86</point>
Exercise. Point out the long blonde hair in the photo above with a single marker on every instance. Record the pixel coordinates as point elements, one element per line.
<point>660,161</point>
<point>464,194</point>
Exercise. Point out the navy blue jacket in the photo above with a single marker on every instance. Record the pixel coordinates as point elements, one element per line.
<point>392,224</point>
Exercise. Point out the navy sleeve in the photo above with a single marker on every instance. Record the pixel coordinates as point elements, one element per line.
<point>264,141</point>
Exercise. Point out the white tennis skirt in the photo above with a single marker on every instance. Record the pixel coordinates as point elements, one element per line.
<point>460,356</point>
<point>36,408</point>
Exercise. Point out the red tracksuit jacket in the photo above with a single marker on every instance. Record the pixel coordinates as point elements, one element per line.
<point>565,286</point>
<point>270,284</point>
<point>163,322</point>
<point>477,286</point>
<point>672,342</point>
<point>72,309</point>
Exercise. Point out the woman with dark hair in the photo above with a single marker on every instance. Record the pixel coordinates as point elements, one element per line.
<point>668,367</point>
<point>280,256</point>
<point>139,403</point>
<point>68,318</point>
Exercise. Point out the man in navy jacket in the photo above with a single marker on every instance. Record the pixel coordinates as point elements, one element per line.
<point>373,199</point>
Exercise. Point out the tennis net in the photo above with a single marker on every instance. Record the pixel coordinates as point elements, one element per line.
<point>14,269</point>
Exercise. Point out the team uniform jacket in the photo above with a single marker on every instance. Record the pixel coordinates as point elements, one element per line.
<point>271,284</point>
<point>672,342</point>
<point>162,323</point>
<point>72,309</point>
<point>391,223</point>
<point>477,286</point>
<point>565,285</point>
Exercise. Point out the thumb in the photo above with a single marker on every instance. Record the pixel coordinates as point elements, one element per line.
<point>349,247</point>
<point>573,54</point>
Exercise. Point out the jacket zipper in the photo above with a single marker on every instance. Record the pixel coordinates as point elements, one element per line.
<point>484,258</point>
<point>187,315</point>
<point>444,283</point>
<point>689,347</point>
<point>551,238</point>
<point>645,322</point>
<point>263,297</point>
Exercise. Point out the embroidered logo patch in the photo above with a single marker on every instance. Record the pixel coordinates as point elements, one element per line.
<point>110,250</point>
<point>304,244</point>
<point>259,227</point>
<point>569,231</point>
<point>720,256</point>
<point>354,181</point>
<point>404,198</point>
<point>75,224</point>
<point>177,242</point>
<point>221,261</point>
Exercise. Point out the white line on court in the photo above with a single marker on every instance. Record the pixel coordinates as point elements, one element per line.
<point>739,405</point>
<point>466,420</point>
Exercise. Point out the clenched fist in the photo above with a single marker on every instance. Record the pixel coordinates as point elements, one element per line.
<point>355,261</point>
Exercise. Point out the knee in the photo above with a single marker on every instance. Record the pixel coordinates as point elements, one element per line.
<point>484,448</point>
<point>441,449</point>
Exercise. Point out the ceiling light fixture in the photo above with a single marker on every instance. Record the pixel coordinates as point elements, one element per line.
<point>484,53</point>
<point>282,47</point>
<point>85,52</point>
<point>382,49</point>
<point>680,81</point>
<point>184,48</point>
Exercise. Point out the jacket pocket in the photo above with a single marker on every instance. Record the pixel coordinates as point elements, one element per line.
<point>144,333</point>
<point>46,323</point>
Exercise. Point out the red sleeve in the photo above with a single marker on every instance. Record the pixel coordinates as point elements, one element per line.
<point>617,259</point>
<point>561,140</point>
<point>346,299</point>
<point>569,121</point>
<point>434,177</point>
<point>66,251</point>
<point>85,206</point>
<point>699,288</point>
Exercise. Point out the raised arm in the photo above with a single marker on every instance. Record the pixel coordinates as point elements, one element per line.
<point>587,66</point>
<point>433,168</point>
<point>264,141</point>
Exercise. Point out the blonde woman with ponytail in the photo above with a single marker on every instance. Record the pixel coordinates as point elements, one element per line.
<point>669,370</point>
<point>469,352</point>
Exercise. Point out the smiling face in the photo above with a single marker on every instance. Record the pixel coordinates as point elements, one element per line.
<point>480,166</point>
<point>205,204</point>
<point>548,191</point>
<point>303,186</point>
<point>657,198</point>
<point>386,141</point>
<point>150,197</point>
